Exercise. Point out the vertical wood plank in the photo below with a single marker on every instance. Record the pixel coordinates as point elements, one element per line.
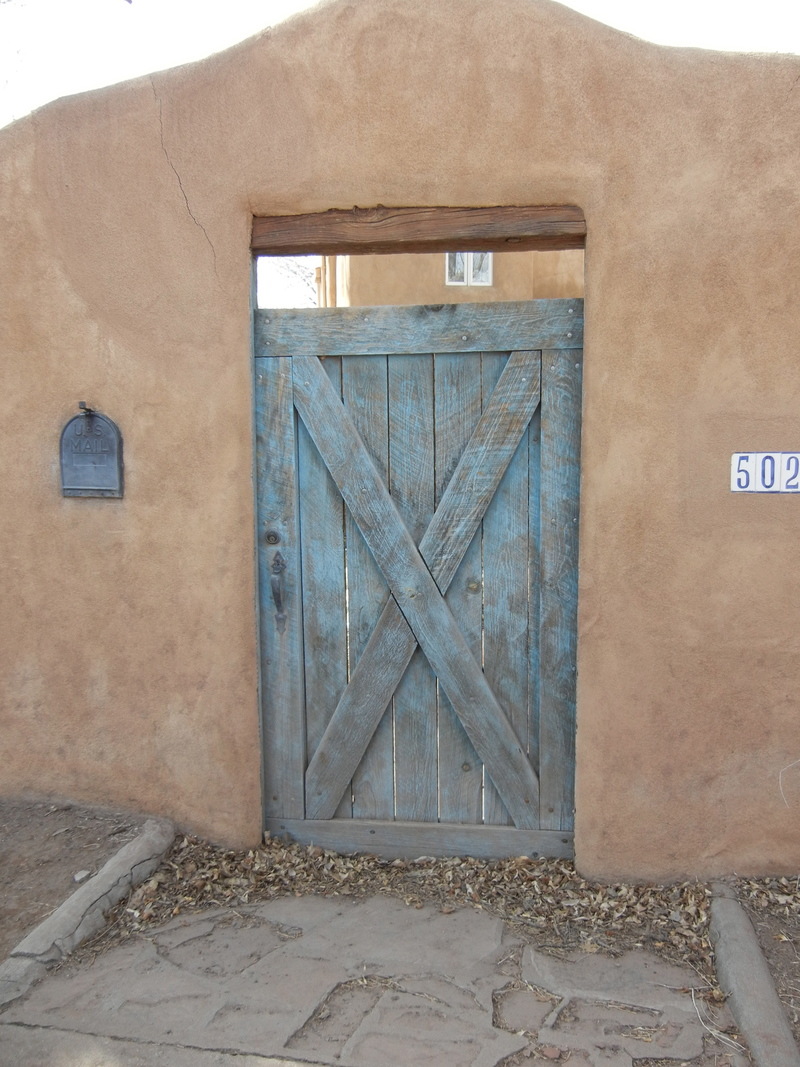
<point>505,593</point>
<point>323,568</point>
<point>458,408</point>
<point>364,390</point>
<point>534,579</point>
<point>411,484</point>
<point>494,811</point>
<point>560,483</point>
<point>282,696</point>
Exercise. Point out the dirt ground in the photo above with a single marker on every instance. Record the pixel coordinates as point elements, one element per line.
<point>43,845</point>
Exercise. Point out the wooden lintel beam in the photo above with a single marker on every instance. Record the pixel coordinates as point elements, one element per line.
<point>381,230</point>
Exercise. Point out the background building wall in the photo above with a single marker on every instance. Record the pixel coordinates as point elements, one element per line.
<point>129,668</point>
<point>420,279</point>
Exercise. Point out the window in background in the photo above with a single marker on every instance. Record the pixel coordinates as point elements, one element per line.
<point>468,268</point>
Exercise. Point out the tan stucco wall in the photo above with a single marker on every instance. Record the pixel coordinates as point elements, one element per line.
<point>129,668</point>
<point>420,279</point>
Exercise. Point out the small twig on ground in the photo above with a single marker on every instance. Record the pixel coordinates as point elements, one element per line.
<point>717,1034</point>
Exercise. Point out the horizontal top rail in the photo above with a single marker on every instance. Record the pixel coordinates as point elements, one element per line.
<point>438,328</point>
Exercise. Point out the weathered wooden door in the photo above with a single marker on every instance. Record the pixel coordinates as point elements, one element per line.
<point>418,477</point>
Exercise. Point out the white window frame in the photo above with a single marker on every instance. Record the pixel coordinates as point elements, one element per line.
<point>469,270</point>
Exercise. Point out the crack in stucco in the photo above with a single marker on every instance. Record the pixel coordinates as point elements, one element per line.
<point>791,90</point>
<point>174,170</point>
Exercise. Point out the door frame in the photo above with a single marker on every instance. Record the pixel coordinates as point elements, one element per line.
<point>387,231</point>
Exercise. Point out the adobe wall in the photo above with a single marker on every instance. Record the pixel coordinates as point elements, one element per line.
<point>128,627</point>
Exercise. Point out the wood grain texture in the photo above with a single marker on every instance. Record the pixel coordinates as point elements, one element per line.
<point>482,465</point>
<point>324,583</point>
<point>439,328</point>
<point>534,582</point>
<point>458,410</point>
<point>505,592</point>
<point>560,487</point>
<point>411,483</point>
<point>415,590</point>
<point>494,810</point>
<point>365,395</point>
<point>361,708</point>
<point>400,840</point>
<point>282,697</point>
<point>420,229</point>
<point>457,518</point>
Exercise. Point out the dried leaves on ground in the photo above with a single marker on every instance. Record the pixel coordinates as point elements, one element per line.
<point>545,901</point>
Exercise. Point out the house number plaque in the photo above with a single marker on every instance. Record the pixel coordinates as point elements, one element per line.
<point>91,456</point>
<point>765,472</point>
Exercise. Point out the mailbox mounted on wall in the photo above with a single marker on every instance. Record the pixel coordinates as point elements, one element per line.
<point>91,455</point>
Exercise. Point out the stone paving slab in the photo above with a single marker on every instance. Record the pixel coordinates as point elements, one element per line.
<point>355,984</point>
<point>633,1006</point>
<point>23,1047</point>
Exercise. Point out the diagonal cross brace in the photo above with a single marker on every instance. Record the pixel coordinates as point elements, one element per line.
<point>417,609</point>
<point>392,644</point>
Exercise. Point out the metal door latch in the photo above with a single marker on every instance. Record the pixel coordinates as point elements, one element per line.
<point>276,581</point>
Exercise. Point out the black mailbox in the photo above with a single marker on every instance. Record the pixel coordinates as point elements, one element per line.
<point>91,456</point>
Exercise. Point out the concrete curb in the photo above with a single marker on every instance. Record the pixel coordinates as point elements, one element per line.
<point>83,914</point>
<point>745,977</point>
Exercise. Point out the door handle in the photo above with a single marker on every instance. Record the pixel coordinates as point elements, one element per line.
<point>276,582</point>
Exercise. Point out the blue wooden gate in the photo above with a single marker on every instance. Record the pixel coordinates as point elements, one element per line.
<point>418,483</point>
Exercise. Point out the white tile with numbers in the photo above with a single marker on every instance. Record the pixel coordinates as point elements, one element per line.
<point>765,472</point>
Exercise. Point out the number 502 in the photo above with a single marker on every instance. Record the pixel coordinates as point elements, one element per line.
<point>765,472</point>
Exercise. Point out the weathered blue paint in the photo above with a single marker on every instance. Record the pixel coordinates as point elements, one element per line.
<point>412,483</point>
<point>459,405</point>
<point>505,594</point>
<point>439,328</point>
<point>284,734</point>
<point>404,442</point>
<point>321,514</point>
<point>365,394</point>
<point>558,583</point>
